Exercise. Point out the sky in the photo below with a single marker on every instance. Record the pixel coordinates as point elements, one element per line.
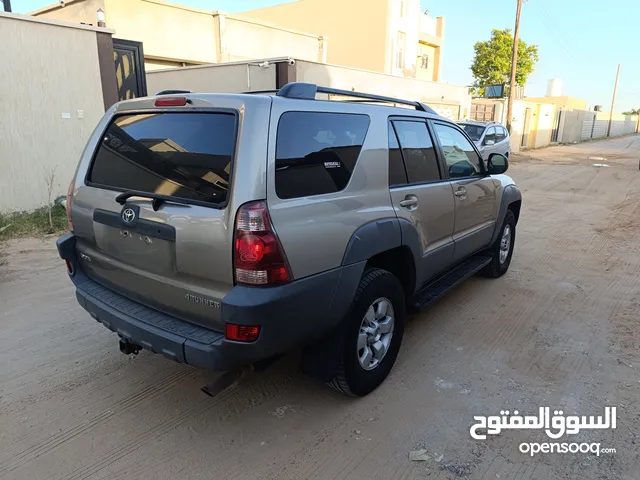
<point>579,41</point>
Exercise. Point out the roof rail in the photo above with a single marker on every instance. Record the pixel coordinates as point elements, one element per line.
<point>172,92</point>
<point>308,91</point>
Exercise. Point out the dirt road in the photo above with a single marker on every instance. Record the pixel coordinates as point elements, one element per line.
<point>561,329</point>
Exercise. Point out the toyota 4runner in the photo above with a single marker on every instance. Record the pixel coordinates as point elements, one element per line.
<point>222,230</point>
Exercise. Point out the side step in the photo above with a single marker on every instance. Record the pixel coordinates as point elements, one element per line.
<point>441,285</point>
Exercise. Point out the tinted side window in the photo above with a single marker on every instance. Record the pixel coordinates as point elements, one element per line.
<point>459,155</point>
<point>418,152</point>
<point>397,173</point>
<point>317,152</point>
<point>501,134</point>
<point>490,135</point>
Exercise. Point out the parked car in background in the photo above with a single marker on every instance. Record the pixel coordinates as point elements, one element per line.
<point>489,137</point>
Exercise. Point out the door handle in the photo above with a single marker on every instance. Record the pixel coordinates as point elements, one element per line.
<point>461,192</point>
<point>409,201</point>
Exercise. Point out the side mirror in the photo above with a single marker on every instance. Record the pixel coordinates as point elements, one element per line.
<point>489,142</point>
<point>497,164</point>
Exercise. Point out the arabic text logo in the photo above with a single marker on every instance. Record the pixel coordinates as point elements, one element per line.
<point>555,426</point>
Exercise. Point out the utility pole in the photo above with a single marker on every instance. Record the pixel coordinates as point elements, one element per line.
<point>7,5</point>
<point>514,64</point>
<point>613,101</point>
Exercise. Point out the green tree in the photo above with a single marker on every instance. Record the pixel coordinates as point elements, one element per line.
<point>492,60</point>
<point>633,111</point>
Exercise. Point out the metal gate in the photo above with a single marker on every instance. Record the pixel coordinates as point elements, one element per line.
<point>129,61</point>
<point>556,126</point>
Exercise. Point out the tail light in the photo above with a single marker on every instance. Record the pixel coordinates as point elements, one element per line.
<point>242,333</point>
<point>258,258</point>
<point>171,102</point>
<point>68,205</point>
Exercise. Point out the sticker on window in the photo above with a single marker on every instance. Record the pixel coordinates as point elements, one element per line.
<point>331,164</point>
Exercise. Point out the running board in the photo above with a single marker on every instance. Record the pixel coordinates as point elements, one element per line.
<point>441,285</point>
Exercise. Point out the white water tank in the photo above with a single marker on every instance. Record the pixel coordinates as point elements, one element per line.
<point>554,87</point>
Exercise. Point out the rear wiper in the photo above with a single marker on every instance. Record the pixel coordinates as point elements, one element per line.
<point>158,199</point>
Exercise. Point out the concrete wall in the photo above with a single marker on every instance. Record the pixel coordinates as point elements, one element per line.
<point>357,29</point>
<point>226,78</point>
<point>75,11</point>
<point>168,31</point>
<point>50,101</point>
<point>244,39</point>
<point>580,125</point>
<point>571,103</point>
<point>449,100</point>
<point>571,124</point>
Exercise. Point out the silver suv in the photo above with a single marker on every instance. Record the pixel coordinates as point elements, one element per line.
<point>223,230</point>
<point>489,137</point>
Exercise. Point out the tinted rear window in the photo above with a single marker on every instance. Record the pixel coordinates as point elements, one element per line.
<point>317,152</point>
<point>185,155</point>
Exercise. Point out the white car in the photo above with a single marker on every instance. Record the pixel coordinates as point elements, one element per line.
<point>489,137</point>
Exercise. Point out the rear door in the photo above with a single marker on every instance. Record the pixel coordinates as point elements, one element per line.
<point>502,141</point>
<point>175,255</point>
<point>489,143</point>
<point>420,193</point>
<point>475,192</point>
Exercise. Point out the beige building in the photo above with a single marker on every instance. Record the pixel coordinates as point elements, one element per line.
<point>175,35</point>
<point>387,36</point>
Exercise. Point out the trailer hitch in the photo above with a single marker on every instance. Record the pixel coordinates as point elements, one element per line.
<point>129,348</point>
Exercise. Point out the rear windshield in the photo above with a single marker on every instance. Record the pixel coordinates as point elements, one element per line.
<point>185,155</point>
<point>474,131</point>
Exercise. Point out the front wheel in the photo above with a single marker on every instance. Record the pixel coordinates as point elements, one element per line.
<point>502,249</point>
<point>374,330</point>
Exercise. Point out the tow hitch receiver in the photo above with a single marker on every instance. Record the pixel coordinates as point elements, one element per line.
<point>129,348</point>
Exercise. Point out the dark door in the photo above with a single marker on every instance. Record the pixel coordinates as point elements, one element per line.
<point>556,126</point>
<point>525,127</point>
<point>129,60</point>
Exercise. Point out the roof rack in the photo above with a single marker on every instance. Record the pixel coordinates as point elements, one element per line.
<point>308,91</point>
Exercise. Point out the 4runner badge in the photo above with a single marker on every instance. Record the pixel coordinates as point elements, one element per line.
<point>202,300</point>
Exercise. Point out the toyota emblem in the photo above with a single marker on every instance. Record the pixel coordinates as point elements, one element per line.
<point>128,215</point>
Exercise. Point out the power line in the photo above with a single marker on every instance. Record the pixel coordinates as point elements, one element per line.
<point>558,33</point>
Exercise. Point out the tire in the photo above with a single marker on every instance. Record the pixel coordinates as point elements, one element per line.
<point>499,265</point>
<point>351,377</point>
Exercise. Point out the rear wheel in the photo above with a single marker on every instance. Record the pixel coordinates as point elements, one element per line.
<point>373,334</point>
<point>502,249</point>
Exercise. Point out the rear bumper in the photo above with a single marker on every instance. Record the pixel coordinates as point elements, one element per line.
<point>289,315</point>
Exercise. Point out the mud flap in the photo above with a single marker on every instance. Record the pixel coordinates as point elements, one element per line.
<point>321,359</point>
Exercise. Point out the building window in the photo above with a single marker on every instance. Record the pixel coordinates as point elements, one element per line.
<point>403,8</point>
<point>424,61</point>
<point>401,41</point>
